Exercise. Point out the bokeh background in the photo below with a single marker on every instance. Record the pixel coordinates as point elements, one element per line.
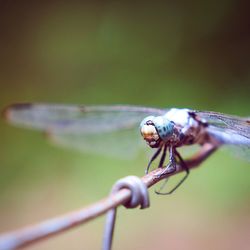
<point>166,54</point>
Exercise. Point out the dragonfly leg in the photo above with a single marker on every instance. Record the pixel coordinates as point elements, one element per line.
<point>171,168</point>
<point>163,157</point>
<point>153,158</point>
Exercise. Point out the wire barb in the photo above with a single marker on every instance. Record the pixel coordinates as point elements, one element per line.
<point>139,196</point>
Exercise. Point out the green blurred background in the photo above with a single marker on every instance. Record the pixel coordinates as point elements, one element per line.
<point>191,54</point>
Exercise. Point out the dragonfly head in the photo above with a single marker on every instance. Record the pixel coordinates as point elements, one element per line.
<point>156,129</point>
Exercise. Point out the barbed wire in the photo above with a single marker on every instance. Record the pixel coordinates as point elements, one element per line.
<point>121,196</point>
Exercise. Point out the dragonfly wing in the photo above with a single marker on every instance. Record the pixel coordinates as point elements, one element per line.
<point>76,118</point>
<point>112,130</point>
<point>231,130</point>
<point>227,123</point>
<point>122,144</point>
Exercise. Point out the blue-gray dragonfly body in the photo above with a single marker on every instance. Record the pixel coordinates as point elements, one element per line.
<point>163,129</point>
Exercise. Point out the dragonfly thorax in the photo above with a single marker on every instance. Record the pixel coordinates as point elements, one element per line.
<point>156,129</point>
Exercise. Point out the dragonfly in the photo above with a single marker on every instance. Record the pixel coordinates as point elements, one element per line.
<point>164,130</point>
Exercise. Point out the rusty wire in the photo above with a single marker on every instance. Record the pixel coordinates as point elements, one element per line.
<point>31,234</point>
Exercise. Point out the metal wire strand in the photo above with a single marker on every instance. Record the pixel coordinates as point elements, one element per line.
<point>48,228</point>
<point>139,196</point>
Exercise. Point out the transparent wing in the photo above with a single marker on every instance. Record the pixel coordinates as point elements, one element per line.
<point>228,123</point>
<point>76,118</point>
<point>112,130</point>
<point>122,144</point>
<point>231,130</point>
<point>231,125</point>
